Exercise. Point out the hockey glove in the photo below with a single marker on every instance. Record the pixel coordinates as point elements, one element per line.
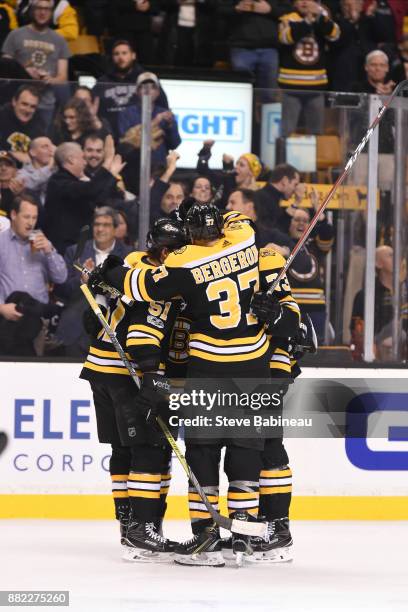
<point>305,341</point>
<point>91,323</point>
<point>279,319</point>
<point>153,392</point>
<point>98,274</point>
<point>266,308</point>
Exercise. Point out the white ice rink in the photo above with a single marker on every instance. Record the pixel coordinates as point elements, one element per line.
<point>341,566</point>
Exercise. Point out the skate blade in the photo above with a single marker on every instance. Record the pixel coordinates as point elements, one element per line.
<point>280,555</point>
<point>212,559</point>
<point>132,555</point>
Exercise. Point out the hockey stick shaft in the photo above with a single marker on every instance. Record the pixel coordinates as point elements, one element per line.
<point>336,185</point>
<point>243,527</point>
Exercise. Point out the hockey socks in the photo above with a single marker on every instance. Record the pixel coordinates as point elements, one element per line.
<point>275,492</point>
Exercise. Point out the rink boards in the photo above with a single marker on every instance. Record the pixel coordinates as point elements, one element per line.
<point>54,466</point>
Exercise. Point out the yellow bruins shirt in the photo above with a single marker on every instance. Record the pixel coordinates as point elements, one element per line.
<point>143,329</point>
<point>217,282</point>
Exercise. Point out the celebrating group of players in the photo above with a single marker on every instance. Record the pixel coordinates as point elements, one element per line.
<point>197,297</point>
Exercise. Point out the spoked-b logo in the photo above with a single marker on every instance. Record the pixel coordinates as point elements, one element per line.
<point>377,431</point>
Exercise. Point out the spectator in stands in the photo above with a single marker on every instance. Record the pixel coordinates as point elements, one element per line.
<point>42,52</point>
<point>386,17</point>
<point>376,79</point>
<point>254,36</point>
<point>246,202</point>
<point>96,150</point>
<point>94,154</point>
<point>348,52</point>
<point>132,20</point>
<point>378,82</point>
<point>399,71</point>
<point>114,99</point>
<point>10,186</point>
<point>38,171</point>
<point>306,272</point>
<point>75,122</point>
<point>304,35</point>
<point>122,229</point>
<point>383,309</point>
<point>284,182</point>
<point>202,189</point>
<point>88,96</point>
<point>71,198</point>
<point>20,122</point>
<point>64,17</point>
<point>173,197</point>
<point>187,33</point>
<point>8,21</point>
<point>165,135</point>
<point>245,174</point>
<point>166,194</point>
<point>28,263</point>
<point>70,330</point>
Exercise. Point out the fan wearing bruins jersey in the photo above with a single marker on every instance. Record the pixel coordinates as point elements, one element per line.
<point>217,275</point>
<point>140,460</point>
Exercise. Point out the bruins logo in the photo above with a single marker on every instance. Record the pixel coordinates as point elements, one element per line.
<point>306,51</point>
<point>180,251</point>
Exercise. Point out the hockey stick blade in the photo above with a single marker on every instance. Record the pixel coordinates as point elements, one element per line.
<point>82,239</point>
<point>243,527</point>
<point>339,181</point>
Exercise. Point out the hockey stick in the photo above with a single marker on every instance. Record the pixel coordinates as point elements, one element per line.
<point>336,185</point>
<point>243,527</point>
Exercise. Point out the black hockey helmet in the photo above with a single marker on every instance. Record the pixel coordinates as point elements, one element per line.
<point>182,211</point>
<point>204,222</point>
<point>167,233</point>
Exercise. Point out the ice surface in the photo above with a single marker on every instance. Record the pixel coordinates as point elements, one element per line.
<point>338,566</point>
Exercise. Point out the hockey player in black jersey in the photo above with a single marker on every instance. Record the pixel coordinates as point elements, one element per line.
<point>217,275</point>
<point>139,463</point>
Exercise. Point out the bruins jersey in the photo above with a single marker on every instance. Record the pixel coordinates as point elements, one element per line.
<point>306,272</point>
<point>217,282</point>
<point>143,329</point>
<point>302,51</point>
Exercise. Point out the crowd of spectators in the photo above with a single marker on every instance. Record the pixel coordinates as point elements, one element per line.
<point>70,154</point>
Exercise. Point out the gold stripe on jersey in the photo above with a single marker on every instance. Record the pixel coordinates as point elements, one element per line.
<point>290,303</point>
<point>324,245</point>
<point>214,355</point>
<point>280,361</point>
<point>142,335</point>
<point>232,342</point>
<point>309,296</point>
<point>147,330</point>
<point>107,362</point>
<point>233,216</point>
